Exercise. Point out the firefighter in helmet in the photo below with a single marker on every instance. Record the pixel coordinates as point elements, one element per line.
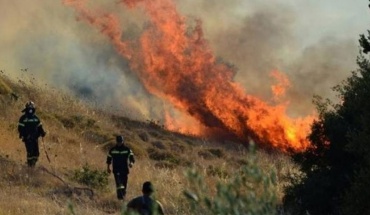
<point>122,158</point>
<point>30,129</point>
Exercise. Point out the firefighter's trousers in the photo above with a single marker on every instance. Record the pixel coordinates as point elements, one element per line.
<point>32,147</point>
<point>121,183</point>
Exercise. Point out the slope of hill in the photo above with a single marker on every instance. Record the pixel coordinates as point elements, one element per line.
<point>79,135</point>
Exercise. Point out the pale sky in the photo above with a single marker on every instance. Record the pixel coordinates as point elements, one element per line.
<point>343,18</point>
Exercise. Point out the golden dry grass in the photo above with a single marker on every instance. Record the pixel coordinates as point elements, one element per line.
<point>78,134</point>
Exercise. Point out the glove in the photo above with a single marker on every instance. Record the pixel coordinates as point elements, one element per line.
<point>43,134</point>
<point>130,165</point>
<point>20,136</point>
<point>108,170</point>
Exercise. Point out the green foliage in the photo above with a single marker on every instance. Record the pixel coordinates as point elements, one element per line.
<point>219,171</point>
<point>91,177</point>
<point>364,42</point>
<point>250,191</point>
<point>71,208</point>
<point>336,166</point>
<point>356,200</point>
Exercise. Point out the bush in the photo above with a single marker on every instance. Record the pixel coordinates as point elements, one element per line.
<point>91,177</point>
<point>219,171</point>
<point>250,191</point>
<point>356,198</point>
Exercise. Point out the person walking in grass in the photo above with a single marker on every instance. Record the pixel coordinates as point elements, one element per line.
<point>122,158</point>
<point>145,204</point>
<point>30,129</point>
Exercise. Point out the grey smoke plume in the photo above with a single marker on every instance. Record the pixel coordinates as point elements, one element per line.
<point>257,38</point>
<point>46,38</point>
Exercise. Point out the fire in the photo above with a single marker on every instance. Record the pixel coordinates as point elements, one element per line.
<point>183,124</point>
<point>279,89</point>
<point>175,62</point>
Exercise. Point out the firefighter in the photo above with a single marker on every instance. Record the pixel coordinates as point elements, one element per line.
<point>30,129</point>
<point>122,158</point>
<point>145,204</point>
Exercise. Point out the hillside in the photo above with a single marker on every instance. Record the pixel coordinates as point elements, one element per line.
<point>79,135</point>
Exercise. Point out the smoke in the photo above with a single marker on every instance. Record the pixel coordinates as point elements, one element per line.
<point>256,37</point>
<point>46,38</point>
<point>318,69</point>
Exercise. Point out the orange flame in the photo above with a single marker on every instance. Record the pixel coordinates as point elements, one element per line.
<point>176,63</point>
<point>280,88</point>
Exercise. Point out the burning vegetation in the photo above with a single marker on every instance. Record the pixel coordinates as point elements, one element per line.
<point>174,62</point>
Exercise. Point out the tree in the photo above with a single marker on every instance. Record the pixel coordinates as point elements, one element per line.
<point>337,166</point>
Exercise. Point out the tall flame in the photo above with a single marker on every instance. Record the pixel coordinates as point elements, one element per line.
<point>176,63</point>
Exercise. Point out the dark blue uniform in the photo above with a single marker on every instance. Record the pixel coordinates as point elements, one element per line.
<point>30,129</point>
<point>122,157</point>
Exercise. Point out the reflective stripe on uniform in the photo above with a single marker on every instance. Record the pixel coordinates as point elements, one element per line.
<point>120,187</point>
<point>119,152</point>
<point>30,120</point>
<point>21,124</point>
<point>32,158</point>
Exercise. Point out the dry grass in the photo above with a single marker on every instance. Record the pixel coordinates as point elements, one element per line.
<point>78,134</point>
<point>4,88</point>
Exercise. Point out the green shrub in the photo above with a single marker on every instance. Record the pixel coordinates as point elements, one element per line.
<point>91,177</point>
<point>250,191</point>
<point>356,197</point>
<point>219,171</point>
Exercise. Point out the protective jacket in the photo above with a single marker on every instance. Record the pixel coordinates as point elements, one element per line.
<point>121,156</point>
<point>30,127</point>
